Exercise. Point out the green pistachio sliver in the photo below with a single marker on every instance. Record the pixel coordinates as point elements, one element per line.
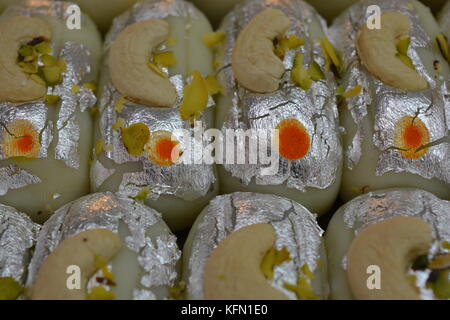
<point>29,68</point>
<point>315,72</point>
<point>49,61</point>
<point>52,75</point>
<point>52,99</point>
<point>441,287</point>
<point>26,51</point>
<point>406,60</point>
<point>43,48</point>
<point>10,289</point>
<point>443,46</point>
<point>403,45</point>
<point>299,74</point>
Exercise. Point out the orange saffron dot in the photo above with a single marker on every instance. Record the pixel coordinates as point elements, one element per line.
<point>20,139</point>
<point>163,149</point>
<point>410,135</point>
<point>293,139</point>
<point>25,143</point>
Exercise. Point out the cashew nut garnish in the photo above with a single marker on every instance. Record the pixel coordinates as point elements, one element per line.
<point>129,64</point>
<point>80,250</point>
<point>16,85</point>
<point>234,270</point>
<point>392,245</point>
<point>255,65</point>
<point>378,53</point>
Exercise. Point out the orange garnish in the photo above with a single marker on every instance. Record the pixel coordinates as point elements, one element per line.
<point>410,135</point>
<point>293,139</point>
<point>163,149</point>
<point>21,139</point>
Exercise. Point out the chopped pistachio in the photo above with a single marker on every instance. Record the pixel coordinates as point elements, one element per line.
<point>100,293</point>
<point>446,245</point>
<point>441,287</point>
<point>90,85</point>
<point>178,292</point>
<point>165,59</point>
<point>43,48</point>
<point>29,68</point>
<point>352,92</point>
<point>440,261</point>
<point>288,43</point>
<point>101,265</point>
<point>303,289</point>
<point>62,65</point>
<point>195,97</point>
<point>143,194</point>
<point>99,146</point>
<point>120,103</point>
<point>52,75</point>
<point>299,74</point>
<point>119,124</point>
<point>51,99</point>
<point>443,46</point>
<point>315,72</point>
<point>272,259</point>
<point>26,51</point>
<point>406,60</point>
<point>340,90</point>
<point>135,137</point>
<point>330,53</point>
<point>210,39</point>
<point>75,89</point>
<point>10,289</point>
<point>403,45</point>
<point>49,61</point>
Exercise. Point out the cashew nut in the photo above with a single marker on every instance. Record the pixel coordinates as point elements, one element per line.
<point>233,271</point>
<point>377,50</point>
<point>392,245</point>
<point>16,85</point>
<point>79,250</point>
<point>255,64</point>
<point>129,64</point>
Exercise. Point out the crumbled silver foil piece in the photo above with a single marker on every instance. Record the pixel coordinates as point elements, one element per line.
<point>157,256</point>
<point>375,207</point>
<point>387,105</point>
<point>14,177</point>
<point>296,229</point>
<point>65,129</point>
<point>17,237</point>
<point>316,108</point>
<point>184,179</point>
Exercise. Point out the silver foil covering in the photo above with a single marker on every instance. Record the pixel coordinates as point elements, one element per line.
<point>374,207</point>
<point>296,229</point>
<point>157,256</point>
<point>315,109</point>
<point>387,105</point>
<point>187,181</point>
<point>17,238</point>
<point>14,177</point>
<point>61,130</point>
